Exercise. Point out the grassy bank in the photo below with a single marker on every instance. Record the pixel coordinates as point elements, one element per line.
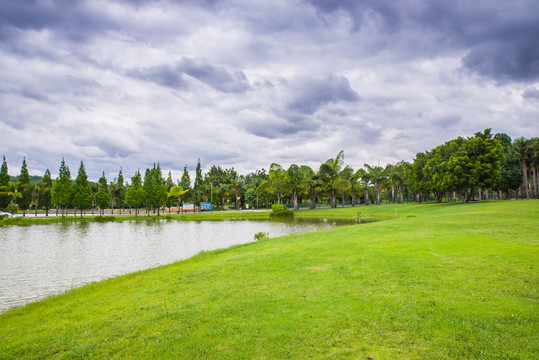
<point>447,281</point>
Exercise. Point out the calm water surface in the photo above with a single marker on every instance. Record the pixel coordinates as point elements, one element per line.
<point>41,260</point>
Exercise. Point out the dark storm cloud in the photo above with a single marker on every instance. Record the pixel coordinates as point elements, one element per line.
<point>501,39</point>
<point>162,75</point>
<point>73,19</point>
<point>173,77</point>
<point>310,94</point>
<point>215,76</point>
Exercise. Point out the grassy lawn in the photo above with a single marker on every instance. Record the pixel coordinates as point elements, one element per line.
<point>439,281</point>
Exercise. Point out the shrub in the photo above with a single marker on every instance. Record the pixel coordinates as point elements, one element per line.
<point>261,236</point>
<point>280,210</point>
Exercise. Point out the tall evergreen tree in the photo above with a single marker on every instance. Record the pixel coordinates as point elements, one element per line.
<point>134,194</point>
<point>198,186</point>
<point>102,197</point>
<point>23,187</point>
<point>120,190</point>
<point>159,188</point>
<point>46,197</point>
<point>170,184</point>
<point>62,188</point>
<point>148,190</point>
<point>4,184</point>
<point>82,192</point>
<point>185,182</point>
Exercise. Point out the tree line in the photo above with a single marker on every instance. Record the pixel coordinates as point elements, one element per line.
<point>483,166</point>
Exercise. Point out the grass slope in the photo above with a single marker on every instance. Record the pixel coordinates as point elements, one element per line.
<point>458,281</point>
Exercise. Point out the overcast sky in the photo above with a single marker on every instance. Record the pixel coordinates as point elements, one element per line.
<point>247,83</point>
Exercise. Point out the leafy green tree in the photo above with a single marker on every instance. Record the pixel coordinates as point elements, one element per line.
<point>82,192</point>
<point>416,175</point>
<point>330,171</point>
<point>436,172</point>
<point>511,176</point>
<point>46,189</point>
<point>474,165</point>
<point>23,187</point>
<point>102,198</point>
<point>62,188</point>
<point>135,194</point>
<point>176,192</point>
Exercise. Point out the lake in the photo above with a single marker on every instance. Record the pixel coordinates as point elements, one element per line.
<point>41,260</point>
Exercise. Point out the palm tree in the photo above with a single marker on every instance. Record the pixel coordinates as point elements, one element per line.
<point>364,176</point>
<point>177,192</point>
<point>277,182</point>
<point>10,191</point>
<point>36,191</point>
<point>345,183</point>
<point>295,179</point>
<point>377,175</point>
<point>522,146</point>
<point>331,170</point>
<point>311,184</point>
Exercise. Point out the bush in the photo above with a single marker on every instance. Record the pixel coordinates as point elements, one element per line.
<point>261,236</point>
<point>280,210</point>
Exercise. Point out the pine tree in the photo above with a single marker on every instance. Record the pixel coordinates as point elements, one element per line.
<point>185,182</point>
<point>120,190</point>
<point>82,192</point>
<point>198,185</point>
<point>134,194</point>
<point>160,188</point>
<point>62,188</point>
<point>4,184</point>
<point>23,187</point>
<point>148,190</point>
<point>102,197</point>
<point>45,197</point>
<point>170,183</point>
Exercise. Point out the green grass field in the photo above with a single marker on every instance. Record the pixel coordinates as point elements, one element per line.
<point>439,281</point>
